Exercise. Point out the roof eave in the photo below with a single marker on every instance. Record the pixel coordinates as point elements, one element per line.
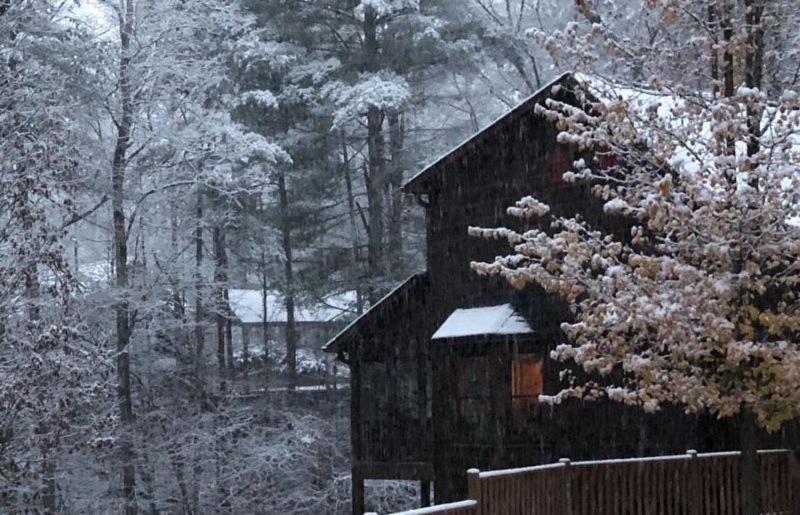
<point>487,338</point>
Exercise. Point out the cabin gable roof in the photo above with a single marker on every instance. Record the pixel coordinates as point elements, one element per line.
<point>412,288</point>
<point>423,181</point>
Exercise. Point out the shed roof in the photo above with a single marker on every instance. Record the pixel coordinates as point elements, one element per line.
<point>421,182</point>
<point>413,287</point>
<point>500,320</point>
<point>248,307</point>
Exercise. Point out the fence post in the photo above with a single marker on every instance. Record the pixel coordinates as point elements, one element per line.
<point>569,507</point>
<point>694,483</point>
<point>474,489</point>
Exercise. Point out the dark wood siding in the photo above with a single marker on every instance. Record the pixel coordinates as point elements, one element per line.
<point>520,159</point>
<point>390,409</point>
<point>450,403</point>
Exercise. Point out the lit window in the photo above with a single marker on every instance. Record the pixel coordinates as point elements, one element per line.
<point>527,383</point>
<point>526,376</point>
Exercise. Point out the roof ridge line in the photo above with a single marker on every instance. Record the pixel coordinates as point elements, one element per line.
<point>524,104</point>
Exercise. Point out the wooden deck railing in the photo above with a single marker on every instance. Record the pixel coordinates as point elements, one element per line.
<point>690,484</point>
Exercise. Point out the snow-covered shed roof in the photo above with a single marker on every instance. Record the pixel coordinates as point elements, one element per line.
<point>500,320</point>
<point>247,306</point>
<point>420,183</point>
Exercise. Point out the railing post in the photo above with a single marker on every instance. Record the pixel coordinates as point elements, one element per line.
<point>569,507</point>
<point>694,479</point>
<point>474,489</point>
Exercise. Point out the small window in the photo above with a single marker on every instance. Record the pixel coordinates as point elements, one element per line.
<point>527,383</point>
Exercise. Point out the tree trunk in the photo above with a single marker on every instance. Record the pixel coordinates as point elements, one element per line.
<point>177,462</point>
<point>121,260</point>
<point>220,452</point>
<point>199,337</point>
<point>713,51</point>
<point>199,361</point>
<point>395,183</point>
<point>754,69</point>
<point>375,182</point>
<point>49,499</point>
<point>224,363</point>
<point>264,320</point>
<point>221,316</point>
<point>727,55</point>
<point>245,354</point>
<point>748,426</point>
<point>726,24</point>
<point>291,330</point>
<point>229,335</point>
<point>376,176</point>
<point>750,475</point>
<point>32,291</point>
<point>264,293</point>
<point>351,209</point>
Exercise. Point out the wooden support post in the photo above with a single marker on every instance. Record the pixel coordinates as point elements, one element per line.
<point>424,493</point>
<point>358,493</point>
<point>569,504</point>
<point>474,489</point>
<point>694,483</point>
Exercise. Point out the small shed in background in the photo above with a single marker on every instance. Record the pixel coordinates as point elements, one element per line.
<point>315,323</point>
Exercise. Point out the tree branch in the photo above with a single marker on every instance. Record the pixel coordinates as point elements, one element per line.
<point>77,217</point>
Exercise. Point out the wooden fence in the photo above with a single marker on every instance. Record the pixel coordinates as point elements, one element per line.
<point>690,484</point>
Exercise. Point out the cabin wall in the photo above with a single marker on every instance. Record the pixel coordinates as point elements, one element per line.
<point>518,158</point>
<point>475,188</point>
<point>575,429</point>
<point>390,381</point>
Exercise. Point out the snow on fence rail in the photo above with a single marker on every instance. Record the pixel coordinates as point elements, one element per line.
<point>689,484</point>
<point>453,508</point>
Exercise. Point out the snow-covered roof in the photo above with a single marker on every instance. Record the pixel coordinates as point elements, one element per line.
<point>247,306</point>
<point>487,320</point>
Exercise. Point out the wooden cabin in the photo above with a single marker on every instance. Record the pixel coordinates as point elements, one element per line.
<point>446,369</point>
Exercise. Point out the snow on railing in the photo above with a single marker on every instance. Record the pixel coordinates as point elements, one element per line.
<point>453,508</point>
